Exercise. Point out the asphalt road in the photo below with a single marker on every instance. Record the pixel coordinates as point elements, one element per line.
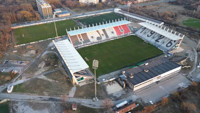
<point>165,87</point>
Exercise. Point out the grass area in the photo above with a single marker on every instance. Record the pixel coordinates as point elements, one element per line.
<point>4,108</point>
<point>116,54</point>
<point>100,18</point>
<point>43,31</point>
<point>192,22</point>
<point>4,77</point>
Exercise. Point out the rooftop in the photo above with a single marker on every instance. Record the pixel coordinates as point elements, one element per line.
<point>150,70</point>
<point>43,3</point>
<point>63,12</point>
<point>71,57</point>
<point>160,29</point>
<point>98,27</point>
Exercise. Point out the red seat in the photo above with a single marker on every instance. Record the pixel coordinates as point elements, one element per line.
<point>126,29</point>
<point>117,30</point>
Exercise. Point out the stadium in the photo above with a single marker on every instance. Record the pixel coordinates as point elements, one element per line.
<point>116,44</point>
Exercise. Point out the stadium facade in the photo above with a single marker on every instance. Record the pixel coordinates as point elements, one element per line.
<point>154,33</point>
<point>99,33</point>
<point>75,66</point>
<point>44,8</point>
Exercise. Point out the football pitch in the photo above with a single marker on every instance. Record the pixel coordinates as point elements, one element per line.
<point>100,18</point>
<point>43,31</point>
<point>192,23</point>
<point>116,54</point>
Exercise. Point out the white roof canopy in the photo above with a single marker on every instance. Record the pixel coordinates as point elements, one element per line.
<point>97,27</point>
<point>71,57</point>
<point>160,29</point>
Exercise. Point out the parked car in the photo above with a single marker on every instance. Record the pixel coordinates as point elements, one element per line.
<point>10,88</point>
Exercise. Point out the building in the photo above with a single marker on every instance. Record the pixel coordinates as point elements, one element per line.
<point>44,8</point>
<point>75,66</point>
<point>90,1</point>
<point>63,14</point>
<point>140,1</point>
<point>57,10</point>
<point>126,108</point>
<point>150,72</point>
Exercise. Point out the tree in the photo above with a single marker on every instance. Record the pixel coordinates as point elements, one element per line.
<point>164,101</point>
<point>149,109</point>
<point>107,103</point>
<point>99,5</point>
<point>64,97</point>
<point>188,107</point>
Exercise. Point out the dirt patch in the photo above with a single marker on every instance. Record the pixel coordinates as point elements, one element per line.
<point>87,91</point>
<point>32,107</point>
<point>113,87</point>
<point>58,86</point>
<point>166,7</point>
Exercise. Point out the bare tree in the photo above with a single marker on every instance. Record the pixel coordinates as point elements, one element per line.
<point>188,107</point>
<point>107,103</point>
<point>164,101</point>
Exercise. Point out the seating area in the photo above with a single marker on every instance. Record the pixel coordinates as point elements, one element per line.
<point>156,39</point>
<point>111,32</point>
<point>123,29</point>
<point>99,35</point>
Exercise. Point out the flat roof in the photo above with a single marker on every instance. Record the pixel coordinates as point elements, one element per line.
<point>160,29</point>
<point>155,68</point>
<point>44,3</point>
<point>71,57</point>
<point>63,12</point>
<point>98,27</point>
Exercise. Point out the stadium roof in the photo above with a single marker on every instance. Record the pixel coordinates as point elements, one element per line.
<point>70,56</point>
<point>162,30</point>
<point>94,28</point>
<point>153,69</point>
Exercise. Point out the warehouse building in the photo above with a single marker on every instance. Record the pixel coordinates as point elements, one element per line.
<point>75,66</point>
<point>150,72</point>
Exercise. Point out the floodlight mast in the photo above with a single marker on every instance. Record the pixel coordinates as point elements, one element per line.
<point>54,15</point>
<point>95,65</point>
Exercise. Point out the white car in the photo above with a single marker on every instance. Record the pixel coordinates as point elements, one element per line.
<point>10,88</point>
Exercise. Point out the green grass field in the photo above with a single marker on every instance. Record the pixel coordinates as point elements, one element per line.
<point>192,23</point>
<point>4,108</point>
<point>100,18</point>
<point>116,54</point>
<point>43,31</point>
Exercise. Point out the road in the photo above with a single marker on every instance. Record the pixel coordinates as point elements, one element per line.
<point>36,98</point>
<point>136,16</point>
<point>46,99</point>
<point>165,87</point>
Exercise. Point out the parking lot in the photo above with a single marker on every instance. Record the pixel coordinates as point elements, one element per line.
<point>165,87</point>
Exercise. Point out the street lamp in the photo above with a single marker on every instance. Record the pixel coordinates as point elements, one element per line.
<point>95,65</point>
<point>54,14</point>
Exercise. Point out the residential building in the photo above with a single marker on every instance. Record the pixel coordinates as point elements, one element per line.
<point>44,8</point>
